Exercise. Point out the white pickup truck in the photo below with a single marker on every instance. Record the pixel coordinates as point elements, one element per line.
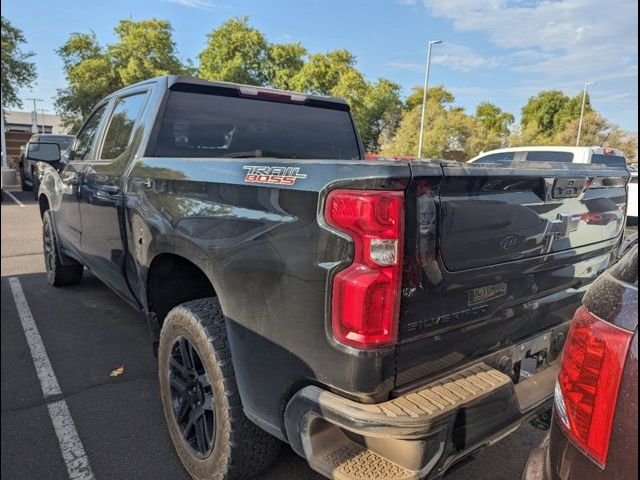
<point>610,157</point>
<point>600,155</point>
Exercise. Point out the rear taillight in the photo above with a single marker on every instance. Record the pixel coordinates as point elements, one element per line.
<point>366,295</point>
<point>588,382</point>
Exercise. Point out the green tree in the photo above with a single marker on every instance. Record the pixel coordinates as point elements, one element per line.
<point>547,114</point>
<point>90,76</point>
<point>449,133</point>
<point>143,49</point>
<point>437,95</point>
<point>381,114</point>
<point>596,130</point>
<point>283,63</point>
<point>322,72</point>
<point>439,129</point>
<point>494,119</point>
<point>235,52</point>
<point>17,70</point>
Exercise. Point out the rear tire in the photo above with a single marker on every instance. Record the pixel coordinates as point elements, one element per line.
<point>232,447</point>
<point>58,274</point>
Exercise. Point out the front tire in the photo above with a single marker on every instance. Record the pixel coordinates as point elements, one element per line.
<point>23,181</point>
<point>58,274</point>
<point>36,185</point>
<point>200,399</point>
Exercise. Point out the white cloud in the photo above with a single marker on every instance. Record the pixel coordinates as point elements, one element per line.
<point>456,57</point>
<point>556,39</point>
<point>202,4</point>
<point>462,58</point>
<point>409,66</point>
<point>608,97</point>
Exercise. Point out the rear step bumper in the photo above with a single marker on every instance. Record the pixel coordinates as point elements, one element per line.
<point>418,434</point>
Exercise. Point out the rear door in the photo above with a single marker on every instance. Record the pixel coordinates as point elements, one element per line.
<point>102,206</point>
<point>495,254</point>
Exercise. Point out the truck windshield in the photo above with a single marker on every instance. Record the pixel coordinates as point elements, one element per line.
<point>205,125</point>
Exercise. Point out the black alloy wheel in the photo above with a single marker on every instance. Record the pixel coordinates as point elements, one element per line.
<point>192,397</point>
<point>49,248</point>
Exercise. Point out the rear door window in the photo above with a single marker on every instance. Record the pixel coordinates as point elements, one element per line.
<point>86,137</point>
<point>120,129</point>
<point>609,160</point>
<point>207,125</point>
<point>550,156</point>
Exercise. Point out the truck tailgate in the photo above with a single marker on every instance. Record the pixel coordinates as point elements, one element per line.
<point>495,254</point>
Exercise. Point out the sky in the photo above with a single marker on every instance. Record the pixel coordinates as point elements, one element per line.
<point>501,51</point>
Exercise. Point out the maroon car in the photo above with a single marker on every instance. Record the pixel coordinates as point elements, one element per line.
<point>594,431</point>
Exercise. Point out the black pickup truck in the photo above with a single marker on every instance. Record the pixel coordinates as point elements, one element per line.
<point>385,318</point>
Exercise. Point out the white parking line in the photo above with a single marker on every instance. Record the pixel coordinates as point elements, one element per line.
<point>44,370</point>
<point>13,197</point>
<point>71,447</point>
<point>73,452</point>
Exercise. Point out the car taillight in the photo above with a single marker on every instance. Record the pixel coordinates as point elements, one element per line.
<point>366,295</point>
<point>588,382</point>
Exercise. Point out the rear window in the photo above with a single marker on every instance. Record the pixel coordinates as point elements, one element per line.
<point>609,160</point>
<point>550,156</point>
<point>501,157</point>
<point>204,125</point>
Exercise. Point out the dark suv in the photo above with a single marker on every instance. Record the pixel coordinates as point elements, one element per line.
<point>594,432</point>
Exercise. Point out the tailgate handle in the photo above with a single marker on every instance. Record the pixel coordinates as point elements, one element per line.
<point>568,187</point>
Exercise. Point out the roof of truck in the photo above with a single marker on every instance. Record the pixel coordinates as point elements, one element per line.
<point>245,90</point>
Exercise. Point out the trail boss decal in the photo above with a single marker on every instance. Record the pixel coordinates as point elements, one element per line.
<point>272,175</point>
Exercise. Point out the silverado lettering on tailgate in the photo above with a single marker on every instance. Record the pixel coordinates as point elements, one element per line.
<point>439,320</point>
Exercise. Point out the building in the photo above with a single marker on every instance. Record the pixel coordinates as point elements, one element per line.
<point>18,127</point>
<point>15,121</point>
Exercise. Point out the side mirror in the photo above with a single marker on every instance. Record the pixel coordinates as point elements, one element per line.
<point>43,152</point>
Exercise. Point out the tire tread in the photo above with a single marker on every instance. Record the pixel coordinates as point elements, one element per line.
<point>251,449</point>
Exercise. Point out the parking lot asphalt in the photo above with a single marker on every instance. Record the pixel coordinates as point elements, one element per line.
<point>87,331</point>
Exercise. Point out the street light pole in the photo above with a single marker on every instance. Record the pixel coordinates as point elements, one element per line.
<point>424,94</point>
<point>42,117</point>
<point>34,119</point>
<point>584,101</point>
<point>5,165</point>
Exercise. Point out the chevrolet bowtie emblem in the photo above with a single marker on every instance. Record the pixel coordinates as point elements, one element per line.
<point>561,227</point>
